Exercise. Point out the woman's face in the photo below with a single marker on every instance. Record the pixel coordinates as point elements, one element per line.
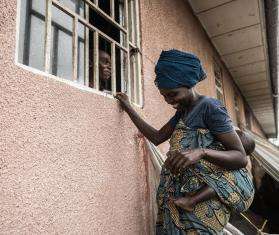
<point>178,97</point>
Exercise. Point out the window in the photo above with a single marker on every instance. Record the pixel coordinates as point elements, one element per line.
<point>91,42</point>
<point>237,111</point>
<point>248,117</point>
<point>218,82</point>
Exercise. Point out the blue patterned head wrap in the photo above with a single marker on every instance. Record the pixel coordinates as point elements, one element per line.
<point>176,69</point>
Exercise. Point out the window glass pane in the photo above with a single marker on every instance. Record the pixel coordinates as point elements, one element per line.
<point>119,12</point>
<point>71,4</point>
<point>137,77</point>
<point>104,65</point>
<point>104,5</point>
<point>38,6</point>
<point>132,19</point>
<point>130,22</point>
<point>85,55</point>
<point>61,44</point>
<point>134,78</point>
<point>36,50</point>
<point>76,6</point>
<point>90,58</point>
<point>32,32</point>
<point>81,50</point>
<point>121,70</point>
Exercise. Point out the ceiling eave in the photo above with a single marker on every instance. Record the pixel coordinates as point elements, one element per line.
<point>237,29</point>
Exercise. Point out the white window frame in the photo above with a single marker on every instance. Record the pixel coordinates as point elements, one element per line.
<point>131,9</point>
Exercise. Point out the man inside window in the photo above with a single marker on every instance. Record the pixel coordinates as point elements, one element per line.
<point>104,72</point>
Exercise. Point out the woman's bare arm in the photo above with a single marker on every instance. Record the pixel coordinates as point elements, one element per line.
<point>155,136</point>
<point>233,158</point>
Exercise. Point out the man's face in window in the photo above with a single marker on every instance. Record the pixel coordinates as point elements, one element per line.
<point>104,66</point>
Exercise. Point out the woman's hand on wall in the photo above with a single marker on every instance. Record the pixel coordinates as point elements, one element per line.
<point>123,99</point>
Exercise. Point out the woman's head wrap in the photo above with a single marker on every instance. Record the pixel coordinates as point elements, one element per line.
<point>176,69</point>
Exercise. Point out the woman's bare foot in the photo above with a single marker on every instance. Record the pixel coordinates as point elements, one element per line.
<point>185,203</point>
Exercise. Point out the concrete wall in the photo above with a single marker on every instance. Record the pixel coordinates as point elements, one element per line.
<point>69,161</point>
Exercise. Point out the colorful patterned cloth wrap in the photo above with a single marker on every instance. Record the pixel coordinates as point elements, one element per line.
<point>235,189</point>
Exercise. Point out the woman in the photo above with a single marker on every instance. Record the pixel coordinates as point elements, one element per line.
<point>205,157</point>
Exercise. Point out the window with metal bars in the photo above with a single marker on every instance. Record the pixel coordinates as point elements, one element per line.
<point>237,110</point>
<point>218,82</point>
<point>90,42</point>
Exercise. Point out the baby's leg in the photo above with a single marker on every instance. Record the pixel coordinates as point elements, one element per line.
<point>188,203</point>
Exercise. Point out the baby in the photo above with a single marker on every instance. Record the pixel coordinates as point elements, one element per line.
<point>189,202</point>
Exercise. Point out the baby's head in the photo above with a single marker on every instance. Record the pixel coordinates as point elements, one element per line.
<point>247,141</point>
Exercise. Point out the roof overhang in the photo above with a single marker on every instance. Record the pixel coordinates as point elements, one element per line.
<point>267,155</point>
<point>237,29</point>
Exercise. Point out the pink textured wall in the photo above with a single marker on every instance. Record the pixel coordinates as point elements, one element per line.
<point>68,158</point>
<point>69,162</point>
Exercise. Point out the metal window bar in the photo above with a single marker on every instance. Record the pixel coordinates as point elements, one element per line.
<point>135,44</point>
<point>138,56</point>
<point>112,10</point>
<point>132,45</point>
<point>135,97</point>
<point>47,35</point>
<point>122,16</point>
<point>28,15</point>
<point>113,75</point>
<point>123,67</point>
<point>96,61</point>
<point>126,6</point>
<point>125,20</point>
<point>139,81</point>
<point>123,57</point>
<point>137,20</point>
<point>86,54</point>
<point>75,48</point>
<point>131,15</point>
